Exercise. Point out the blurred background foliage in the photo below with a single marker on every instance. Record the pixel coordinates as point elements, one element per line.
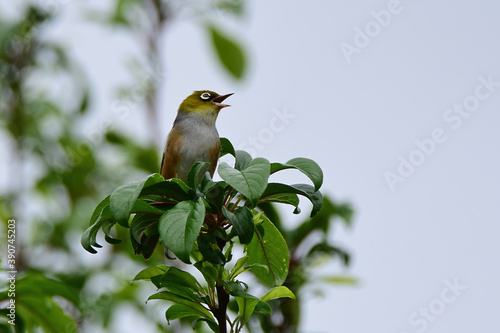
<point>57,174</point>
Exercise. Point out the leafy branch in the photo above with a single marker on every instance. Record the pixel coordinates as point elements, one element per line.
<point>201,220</point>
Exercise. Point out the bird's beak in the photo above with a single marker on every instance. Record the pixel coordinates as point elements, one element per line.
<point>217,101</point>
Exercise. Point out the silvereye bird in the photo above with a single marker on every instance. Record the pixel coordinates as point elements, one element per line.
<point>193,136</point>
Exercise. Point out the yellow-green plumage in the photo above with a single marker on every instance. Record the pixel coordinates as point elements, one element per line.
<point>194,136</point>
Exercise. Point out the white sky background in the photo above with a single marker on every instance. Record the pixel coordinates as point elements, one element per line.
<point>356,119</point>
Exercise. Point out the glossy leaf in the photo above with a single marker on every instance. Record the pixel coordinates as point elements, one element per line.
<point>308,191</point>
<point>106,228</point>
<point>243,159</point>
<point>211,323</point>
<point>284,198</point>
<point>121,202</point>
<point>194,177</point>
<point>173,190</point>
<point>209,272</point>
<point>242,221</point>
<point>140,206</point>
<point>250,181</point>
<point>168,296</point>
<point>89,237</point>
<point>148,273</point>
<point>246,307</point>
<point>263,308</point>
<point>277,292</point>
<point>178,311</point>
<point>179,227</point>
<point>238,268</point>
<point>181,277</point>
<point>268,250</point>
<point>237,288</point>
<point>140,224</point>
<point>226,147</point>
<point>307,166</point>
<point>209,250</point>
<point>122,199</point>
<point>97,211</point>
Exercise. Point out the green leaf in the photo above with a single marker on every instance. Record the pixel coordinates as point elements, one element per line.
<point>89,237</point>
<point>284,198</point>
<point>144,233</point>
<point>122,199</point>
<point>277,292</point>
<point>209,272</point>
<point>238,289</point>
<point>339,280</point>
<point>179,227</point>
<point>323,248</point>
<point>243,159</point>
<point>264,308</point>
<point>226,147</point>
<point>271,252</point>
<point>308,191</point>
<point>174,190</point>
<point>141,206</point>
<point>35,282</point>
<point>181,277</point>
<point>211,323</point>
<point>46,312</point>
<point>193,177</point>
<point>106,228</point>
<point>238,268</point>
<point>34,299</point>
<point>229,52</point>
<point>148,273</point>
<point>236,7</point>
<point>246,307</point>
<point>209,249</point>
<point>307,166</point>
<point>242,221</point>
<point>250,181</point>
<point>141,223</point>
<point>178,311</point>
<point>168,296</point>
<point>147,245</point>
<point>323,221</point>
<point>215,192</point>
<point>84,102</point>
<point>174,285</point>
<point>346,212</point>
<point>97,211</point>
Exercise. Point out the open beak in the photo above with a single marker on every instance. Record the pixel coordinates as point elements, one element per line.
<point>219,99</point>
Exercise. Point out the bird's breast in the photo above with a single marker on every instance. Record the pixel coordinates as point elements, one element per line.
<point>199,140</point>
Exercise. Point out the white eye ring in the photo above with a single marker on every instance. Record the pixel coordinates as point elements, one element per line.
<point>205,96</point>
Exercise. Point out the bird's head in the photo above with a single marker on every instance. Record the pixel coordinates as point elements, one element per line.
<point>205,103</point>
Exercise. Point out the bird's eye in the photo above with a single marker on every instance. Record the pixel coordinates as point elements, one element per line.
<point>205,96</point>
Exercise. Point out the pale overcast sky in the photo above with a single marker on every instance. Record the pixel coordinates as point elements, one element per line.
<point>398,101</point>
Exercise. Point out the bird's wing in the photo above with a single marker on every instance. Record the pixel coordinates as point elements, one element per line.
<point>163,159</point>
<point>171,155</point>
<point>213,153</point>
